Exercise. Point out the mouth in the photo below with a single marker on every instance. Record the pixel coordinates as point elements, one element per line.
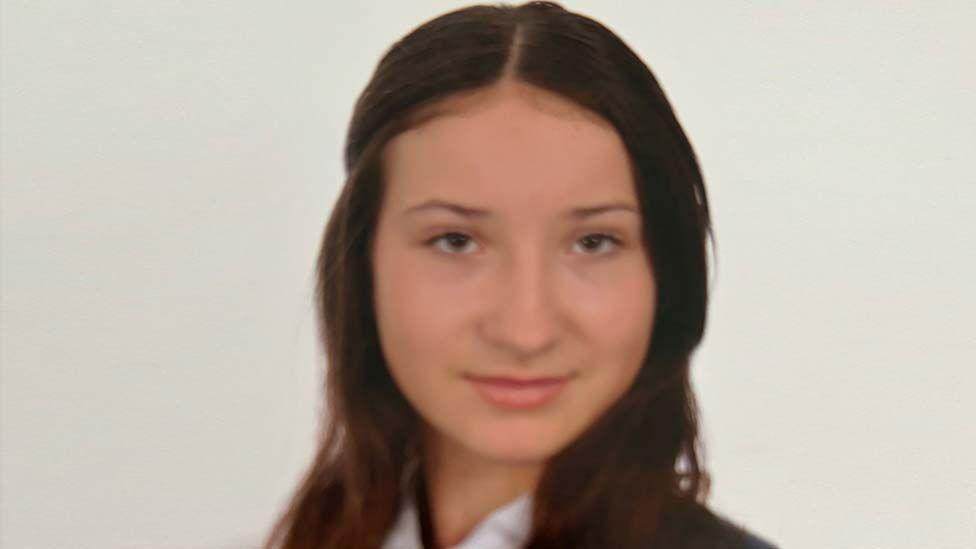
<point>509,392</point>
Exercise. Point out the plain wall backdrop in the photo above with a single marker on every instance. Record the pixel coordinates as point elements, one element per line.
<point>168,168</point>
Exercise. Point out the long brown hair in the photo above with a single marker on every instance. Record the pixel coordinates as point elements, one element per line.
<point>627,481</point>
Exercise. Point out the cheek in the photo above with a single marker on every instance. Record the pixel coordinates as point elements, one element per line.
<point>618,322</point>
<point>634,313</point>
<point>414,320</point>
<point>619,317</point>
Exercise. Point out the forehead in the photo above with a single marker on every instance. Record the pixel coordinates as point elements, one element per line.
<point>508,146</point>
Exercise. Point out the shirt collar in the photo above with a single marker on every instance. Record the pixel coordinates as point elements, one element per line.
<point>507,527</point>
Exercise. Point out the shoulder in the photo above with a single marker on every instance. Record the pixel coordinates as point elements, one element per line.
<point>700,527</point>
<point>737,536</point>
<point>752,541</point>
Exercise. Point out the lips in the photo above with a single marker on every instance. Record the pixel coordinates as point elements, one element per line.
<point>508,392</point>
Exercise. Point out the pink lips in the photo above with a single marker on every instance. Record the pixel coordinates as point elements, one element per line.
<point>518,393</point>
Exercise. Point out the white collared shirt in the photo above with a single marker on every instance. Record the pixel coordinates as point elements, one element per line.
<point>507,527</point>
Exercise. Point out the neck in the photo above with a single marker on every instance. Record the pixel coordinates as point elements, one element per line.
<point>464,488</point>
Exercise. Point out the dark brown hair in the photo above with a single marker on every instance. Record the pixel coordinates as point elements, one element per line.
<point>635,478</point>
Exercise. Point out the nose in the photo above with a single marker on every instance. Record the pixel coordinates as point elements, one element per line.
<point>524,324</point>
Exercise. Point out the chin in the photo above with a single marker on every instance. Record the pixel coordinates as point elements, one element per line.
<point>519,456</point>
<point>517,448</point>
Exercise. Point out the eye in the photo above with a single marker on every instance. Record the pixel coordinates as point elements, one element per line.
<point>456,241</point>
<point>597,239</point>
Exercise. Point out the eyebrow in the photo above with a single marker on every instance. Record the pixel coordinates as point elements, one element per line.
<point>469,212</point>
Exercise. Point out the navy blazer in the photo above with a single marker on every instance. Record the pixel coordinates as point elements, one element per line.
<point>701,528</point>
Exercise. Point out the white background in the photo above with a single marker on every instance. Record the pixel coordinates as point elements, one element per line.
<point>168,168</point>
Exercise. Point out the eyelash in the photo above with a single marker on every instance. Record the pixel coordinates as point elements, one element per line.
<point>604,237</point>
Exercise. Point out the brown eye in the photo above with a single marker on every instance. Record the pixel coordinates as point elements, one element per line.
<point>595,240</point>
<point>455,241</point>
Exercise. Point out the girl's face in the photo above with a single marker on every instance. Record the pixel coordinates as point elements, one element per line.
<point>515,285</point>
